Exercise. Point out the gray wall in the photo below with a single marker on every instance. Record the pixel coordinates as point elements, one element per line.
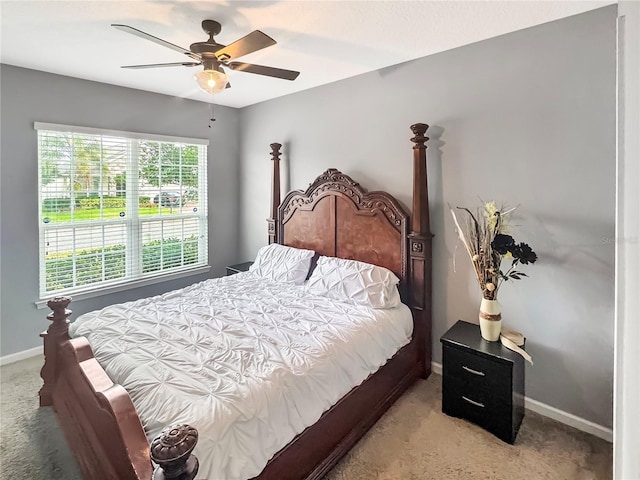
<point>29,96</point>
<point>526,118</point>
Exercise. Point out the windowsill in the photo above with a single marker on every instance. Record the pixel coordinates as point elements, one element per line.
<point>106,290</point>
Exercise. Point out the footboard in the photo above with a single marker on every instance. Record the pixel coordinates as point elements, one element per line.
<point>98,418</point>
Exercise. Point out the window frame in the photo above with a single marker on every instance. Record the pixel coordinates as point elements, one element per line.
<point>133,224</point>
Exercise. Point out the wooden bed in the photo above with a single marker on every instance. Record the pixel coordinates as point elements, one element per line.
<point>334,217</point>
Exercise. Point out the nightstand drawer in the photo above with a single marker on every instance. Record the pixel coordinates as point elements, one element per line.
<point>482,407</point>
<point>476,371</point>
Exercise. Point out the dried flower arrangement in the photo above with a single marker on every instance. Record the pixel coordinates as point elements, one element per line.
<point>487,242</point>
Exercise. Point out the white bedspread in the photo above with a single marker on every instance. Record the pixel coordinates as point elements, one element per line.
<point>248,362</point>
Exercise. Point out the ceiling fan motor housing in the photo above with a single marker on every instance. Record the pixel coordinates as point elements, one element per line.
<point>204,48</point>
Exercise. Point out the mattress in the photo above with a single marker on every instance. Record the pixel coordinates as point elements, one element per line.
<point>248,362</point>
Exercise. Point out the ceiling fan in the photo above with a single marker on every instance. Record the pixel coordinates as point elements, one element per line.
<point>213,56</point>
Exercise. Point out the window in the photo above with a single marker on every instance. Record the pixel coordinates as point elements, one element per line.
<point>118,207</point>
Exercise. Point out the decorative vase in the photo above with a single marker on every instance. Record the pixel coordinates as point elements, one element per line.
<point>490,320</point>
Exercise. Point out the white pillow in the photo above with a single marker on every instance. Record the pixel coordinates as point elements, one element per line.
<point>282,264</point>
<point>354,282</point>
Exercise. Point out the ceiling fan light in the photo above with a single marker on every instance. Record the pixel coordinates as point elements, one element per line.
<point>211,81</point>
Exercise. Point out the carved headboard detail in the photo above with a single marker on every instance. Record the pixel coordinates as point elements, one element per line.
<point>336,217</point>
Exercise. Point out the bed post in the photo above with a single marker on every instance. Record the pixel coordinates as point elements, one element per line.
<point>275,191</point>
<point>420,248</point>
<point>171,451</point>
<point>56,334</point>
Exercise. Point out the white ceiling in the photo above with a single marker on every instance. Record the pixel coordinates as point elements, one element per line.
<point>325,40</point>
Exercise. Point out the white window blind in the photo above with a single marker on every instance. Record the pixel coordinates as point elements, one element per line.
<point>118,207</point>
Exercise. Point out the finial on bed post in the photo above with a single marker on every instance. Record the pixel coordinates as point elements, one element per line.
<point>171,450</point>
<point>275,191</point>
<point>420,217</point>
<point>420,246</point>
<point>56,334</point>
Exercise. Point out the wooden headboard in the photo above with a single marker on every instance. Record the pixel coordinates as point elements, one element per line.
<point>336,217</point>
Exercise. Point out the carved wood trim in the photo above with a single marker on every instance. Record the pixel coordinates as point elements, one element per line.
<point>56,334</point>
<point>171,450</point>
<point>334,180</point>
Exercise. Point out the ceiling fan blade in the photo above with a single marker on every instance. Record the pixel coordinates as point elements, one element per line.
<point>262,70</point>
<point>154,65</point>
<point>159,41</point>
<point>253,42</point>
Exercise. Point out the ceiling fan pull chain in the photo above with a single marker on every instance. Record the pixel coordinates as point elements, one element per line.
<point>211,119</point>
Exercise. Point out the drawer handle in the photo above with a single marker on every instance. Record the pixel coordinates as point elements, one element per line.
<point>477,404</point>
<point>471,370</point>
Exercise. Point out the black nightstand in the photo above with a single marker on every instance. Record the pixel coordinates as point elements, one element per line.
<point>239,267</point>
<point>482,381</point>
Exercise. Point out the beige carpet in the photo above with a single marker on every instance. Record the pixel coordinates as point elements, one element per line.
<point>413,441</point>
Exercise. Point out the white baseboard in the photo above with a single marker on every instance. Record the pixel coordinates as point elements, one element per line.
<point>569,419</point>
<point>556,414</point>
<point>436,368</point>
<point>23,355</point>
